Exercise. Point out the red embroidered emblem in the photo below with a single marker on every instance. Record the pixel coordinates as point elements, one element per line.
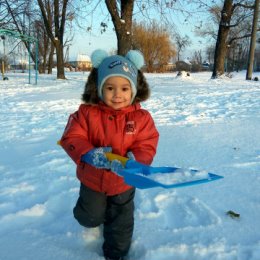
<point>130,127</point>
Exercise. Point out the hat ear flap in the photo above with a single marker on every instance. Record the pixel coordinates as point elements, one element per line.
<point>136,57</point>
<point>97,57</point>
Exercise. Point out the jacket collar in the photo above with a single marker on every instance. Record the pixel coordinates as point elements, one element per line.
<point>124,110</point>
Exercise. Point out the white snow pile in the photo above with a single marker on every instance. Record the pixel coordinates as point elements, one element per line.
<point>179,176</point>
<point>183,74</point>
<point>204,124</point>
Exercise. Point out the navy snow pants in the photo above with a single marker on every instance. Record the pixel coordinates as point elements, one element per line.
<point>115,212</point>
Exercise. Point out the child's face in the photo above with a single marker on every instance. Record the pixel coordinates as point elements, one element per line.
<point>117,92</point>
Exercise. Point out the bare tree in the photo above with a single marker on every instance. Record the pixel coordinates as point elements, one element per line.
<point>181,43</point>
<point>197,57</point>
<point>225,24</point>
<point>221,45</point>
<point>5,18</point>
<point>210,53</point>
<point>60,9</point>
<point>20,15</point>
<point>122,16</point>
<point>46,47</point>
<point>253,42</point>
<point>122,19</point>
<point>25,18</point>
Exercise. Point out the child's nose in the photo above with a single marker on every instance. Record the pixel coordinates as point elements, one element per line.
<point>117,92</point>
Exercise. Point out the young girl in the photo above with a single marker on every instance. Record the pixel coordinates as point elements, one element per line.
<point>110,120</point>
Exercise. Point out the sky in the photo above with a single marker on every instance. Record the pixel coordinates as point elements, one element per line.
<point>86,43</point>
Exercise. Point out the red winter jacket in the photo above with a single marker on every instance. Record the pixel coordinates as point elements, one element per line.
<point>129,129</point>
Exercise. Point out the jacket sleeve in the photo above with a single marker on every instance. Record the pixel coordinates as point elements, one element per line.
<point>75,137</point>
<point>144,147</point>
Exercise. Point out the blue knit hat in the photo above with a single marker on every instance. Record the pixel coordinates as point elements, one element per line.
<point>116,65</point>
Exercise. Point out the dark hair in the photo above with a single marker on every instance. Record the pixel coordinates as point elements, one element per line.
<point>90,95</point>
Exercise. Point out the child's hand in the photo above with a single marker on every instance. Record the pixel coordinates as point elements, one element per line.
<point>130,155</point>
<point>97,158</point>
<point>116,166</point>
<point>131,163</point>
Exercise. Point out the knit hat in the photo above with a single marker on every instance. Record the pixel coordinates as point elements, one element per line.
<point>117,65</point>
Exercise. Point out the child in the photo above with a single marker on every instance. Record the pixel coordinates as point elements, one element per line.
<point>110,120</point>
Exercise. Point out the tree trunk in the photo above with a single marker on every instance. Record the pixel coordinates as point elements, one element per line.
<point>60,61</point>
<point>250,64</point>
<point>43,49</point>
<point>59,26</point>
<point>122,23</point>
<point>50,60</point>
<point>221,44</point>
<point>124,41</point>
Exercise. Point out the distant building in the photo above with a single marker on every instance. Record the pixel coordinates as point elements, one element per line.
<point>82,63</point>
<point>169,67</point>
<point>20,64</point>
<point>160,68</point>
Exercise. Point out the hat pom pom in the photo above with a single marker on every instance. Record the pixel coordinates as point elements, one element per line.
<point>136,57</point>
<point>97,57</point>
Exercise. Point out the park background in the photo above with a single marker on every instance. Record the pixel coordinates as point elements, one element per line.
<point>220,36</point>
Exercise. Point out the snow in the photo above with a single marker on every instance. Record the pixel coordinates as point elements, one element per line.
<point>204,124</point>
<point>179,176</point>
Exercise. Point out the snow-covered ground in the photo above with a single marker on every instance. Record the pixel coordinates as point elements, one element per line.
<point>212,125</point>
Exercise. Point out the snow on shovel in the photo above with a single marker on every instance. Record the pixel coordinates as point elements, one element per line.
<point>144,177</point>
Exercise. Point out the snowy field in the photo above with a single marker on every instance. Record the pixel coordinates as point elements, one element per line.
<point>211,125</point>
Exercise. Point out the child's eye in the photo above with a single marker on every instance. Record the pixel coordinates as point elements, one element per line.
<point>109,88</point>
<point>125,89</point>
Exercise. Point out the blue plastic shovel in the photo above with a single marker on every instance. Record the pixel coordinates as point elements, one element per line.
<point>141,176</point>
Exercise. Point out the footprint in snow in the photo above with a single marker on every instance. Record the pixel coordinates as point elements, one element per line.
<point>168,211</point>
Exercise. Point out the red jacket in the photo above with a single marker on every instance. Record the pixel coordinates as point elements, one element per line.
<point>130,129</point>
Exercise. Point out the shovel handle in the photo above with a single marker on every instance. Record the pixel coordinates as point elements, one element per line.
<point>113,156</point>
